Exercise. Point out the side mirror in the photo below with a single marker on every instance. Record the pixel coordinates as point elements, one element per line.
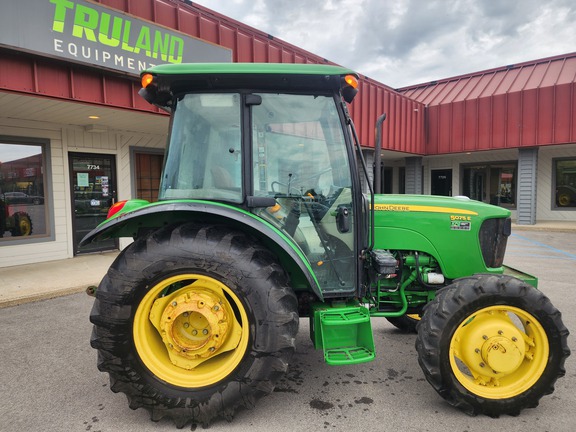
<point>343,218</point>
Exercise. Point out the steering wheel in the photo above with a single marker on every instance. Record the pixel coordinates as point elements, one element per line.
<point>296,183</point>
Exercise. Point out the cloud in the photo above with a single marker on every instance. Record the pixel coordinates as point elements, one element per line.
<point>408,42</point>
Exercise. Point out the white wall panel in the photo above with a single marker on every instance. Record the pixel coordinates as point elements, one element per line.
<point>64,139</point>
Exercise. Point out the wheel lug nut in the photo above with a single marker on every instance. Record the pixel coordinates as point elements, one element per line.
<point>205,331</point>
<point>514,339</point>
<point>500,332</point>
<point>482,365</point>
<point>185,314</point>
<point>485,337</point>
<point>186,325</point>
<point>216,308</point>
<point>174,304</point>
<point>195,332</point>
<point>477,351</point>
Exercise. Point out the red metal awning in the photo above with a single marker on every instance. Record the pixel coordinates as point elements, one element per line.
<point>523,105</point>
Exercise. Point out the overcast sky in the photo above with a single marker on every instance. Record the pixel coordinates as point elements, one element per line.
<point>405,42</point>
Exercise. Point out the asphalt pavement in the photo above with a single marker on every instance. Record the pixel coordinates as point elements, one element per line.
<point>49,380</point>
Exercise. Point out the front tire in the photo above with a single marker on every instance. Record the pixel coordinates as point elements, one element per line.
<point>194,322</point>
<point>492,344</point>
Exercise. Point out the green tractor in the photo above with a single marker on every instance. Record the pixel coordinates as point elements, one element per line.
<point>261,220</point>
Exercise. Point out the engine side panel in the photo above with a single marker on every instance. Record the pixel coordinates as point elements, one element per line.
<point>447,228</point>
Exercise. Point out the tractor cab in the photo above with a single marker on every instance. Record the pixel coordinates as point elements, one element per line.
<point>282,154</point>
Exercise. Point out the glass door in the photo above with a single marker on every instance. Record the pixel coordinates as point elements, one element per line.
<point>441,182</point>
<point>93,186</point>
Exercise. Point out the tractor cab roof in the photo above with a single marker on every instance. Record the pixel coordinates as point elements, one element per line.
<point>161,83</point>
<point>248,68</point>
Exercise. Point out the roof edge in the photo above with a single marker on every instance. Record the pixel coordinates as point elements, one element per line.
<point>486,71</point>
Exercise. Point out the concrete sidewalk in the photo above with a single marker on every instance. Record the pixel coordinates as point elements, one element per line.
<point>32,282</point>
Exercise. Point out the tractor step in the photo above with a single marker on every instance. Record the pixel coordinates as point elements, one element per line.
<point>343,332</point>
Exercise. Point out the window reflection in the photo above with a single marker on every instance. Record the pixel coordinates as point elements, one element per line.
<point>494,183</point>
<point>565,175</point>
<point>22,191</point>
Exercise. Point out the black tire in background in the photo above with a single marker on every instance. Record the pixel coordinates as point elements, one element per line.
<point>191,266</point>
<point>405,323</point>
<point>492,344</point>
<point>3,216</point>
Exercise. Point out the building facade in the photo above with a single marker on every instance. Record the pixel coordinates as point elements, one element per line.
<point>505,136</point>
<point>76,137</point>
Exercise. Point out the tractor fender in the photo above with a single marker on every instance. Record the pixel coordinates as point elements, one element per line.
<point>149,217</point>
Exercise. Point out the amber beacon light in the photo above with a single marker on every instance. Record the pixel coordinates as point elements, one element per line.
<point>147,79</point>
<point>351,80</point>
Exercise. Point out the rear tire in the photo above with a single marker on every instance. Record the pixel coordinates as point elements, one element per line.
<point>194,322</point>
<point>405,323</point>
<point>492,344</point>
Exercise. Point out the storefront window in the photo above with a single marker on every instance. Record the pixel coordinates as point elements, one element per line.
<point>565,183</point>
<point>494,183</point>
<point>22,191</point>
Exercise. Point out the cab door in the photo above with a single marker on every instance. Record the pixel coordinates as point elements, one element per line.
<point>299,157</point>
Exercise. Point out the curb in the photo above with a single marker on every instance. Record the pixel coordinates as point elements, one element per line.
<point>16,301</point>
<point>566,229</point>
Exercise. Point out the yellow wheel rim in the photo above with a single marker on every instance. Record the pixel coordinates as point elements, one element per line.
<point>499,352</point>
<point>564,199</point>
<point>191,330</point>
<point>24,226</point>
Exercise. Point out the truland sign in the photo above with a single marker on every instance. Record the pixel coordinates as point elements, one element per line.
<point>88,33</point>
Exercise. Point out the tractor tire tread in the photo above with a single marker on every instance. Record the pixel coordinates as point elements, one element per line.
<point>218,249</point>
<point>436,328</point>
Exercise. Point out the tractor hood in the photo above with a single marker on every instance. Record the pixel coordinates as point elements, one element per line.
<point>462,234</point>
